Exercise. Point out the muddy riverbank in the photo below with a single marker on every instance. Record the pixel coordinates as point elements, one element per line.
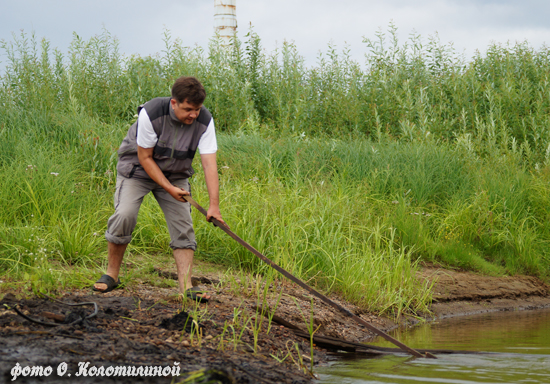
<point>458,293</point>
<point>143,329</point>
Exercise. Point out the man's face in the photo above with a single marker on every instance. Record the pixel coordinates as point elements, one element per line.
<point>185,112</point>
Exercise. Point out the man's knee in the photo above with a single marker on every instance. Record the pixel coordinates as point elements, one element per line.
<point>121,226</point>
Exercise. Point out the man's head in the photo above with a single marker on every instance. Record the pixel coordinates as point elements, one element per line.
<point>188,94</point>
<point>188,88</point>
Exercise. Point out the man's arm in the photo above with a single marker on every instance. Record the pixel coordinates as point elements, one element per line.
<point>210,168</point>
<point>145,156</point>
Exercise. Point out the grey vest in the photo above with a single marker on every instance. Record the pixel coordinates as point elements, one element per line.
<point>176,145</point>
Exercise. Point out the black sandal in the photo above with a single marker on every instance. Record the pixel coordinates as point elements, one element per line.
<point>109,281</point>
<point>192,293</point>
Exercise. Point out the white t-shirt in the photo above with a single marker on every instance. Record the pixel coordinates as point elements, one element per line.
<point>147,137</point>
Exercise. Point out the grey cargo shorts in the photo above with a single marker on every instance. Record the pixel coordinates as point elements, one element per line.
<point>128,198</point>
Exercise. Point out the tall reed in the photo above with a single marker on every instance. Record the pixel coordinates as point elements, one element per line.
<point>415,90</point>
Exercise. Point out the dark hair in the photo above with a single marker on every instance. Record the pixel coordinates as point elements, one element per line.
<point>190,89</point>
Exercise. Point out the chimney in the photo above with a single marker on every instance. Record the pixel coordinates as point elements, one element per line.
<point>225,19</point>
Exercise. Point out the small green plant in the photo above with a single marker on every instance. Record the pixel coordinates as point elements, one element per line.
<point>222,341</point>
<point>238,326</point>
<point>299,360</point>
<point>197,313</point>
<point>262,307</point>
<point>310,325</point>
<point>294,348</point>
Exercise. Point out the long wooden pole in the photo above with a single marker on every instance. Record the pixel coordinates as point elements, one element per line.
<point>307,287</point>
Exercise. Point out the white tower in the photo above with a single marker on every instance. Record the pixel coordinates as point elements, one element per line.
<point>225,19</point>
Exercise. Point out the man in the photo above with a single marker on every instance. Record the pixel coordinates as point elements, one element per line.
<point>156,156</point>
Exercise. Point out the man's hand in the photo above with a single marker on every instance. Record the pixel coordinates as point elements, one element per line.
<point>178,193</point>
<point>214,212</point>
<point>210,169</point>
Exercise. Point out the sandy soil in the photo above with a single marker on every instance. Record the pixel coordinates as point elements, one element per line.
<point>144,326</point>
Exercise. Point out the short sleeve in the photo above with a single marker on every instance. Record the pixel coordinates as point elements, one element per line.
<point>208,143</point>
<point>146,135</point>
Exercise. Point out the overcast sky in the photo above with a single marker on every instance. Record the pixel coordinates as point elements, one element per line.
<point>470,24</point>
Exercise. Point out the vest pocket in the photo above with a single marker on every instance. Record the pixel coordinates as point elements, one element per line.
<point>133,171</point>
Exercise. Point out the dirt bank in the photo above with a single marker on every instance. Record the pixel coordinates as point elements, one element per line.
<point>459,293</point>
<point>145,326</point>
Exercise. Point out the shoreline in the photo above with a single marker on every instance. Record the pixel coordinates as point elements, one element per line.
<point>141,325</point>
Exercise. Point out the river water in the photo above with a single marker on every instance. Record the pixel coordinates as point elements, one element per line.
<point>518,342</point>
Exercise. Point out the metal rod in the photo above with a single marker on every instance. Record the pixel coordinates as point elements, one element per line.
<point>288,275</point>
<point>49,324</point>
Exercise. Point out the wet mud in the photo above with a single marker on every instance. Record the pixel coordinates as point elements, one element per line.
<point>228,338</point>
<point>131,331</point>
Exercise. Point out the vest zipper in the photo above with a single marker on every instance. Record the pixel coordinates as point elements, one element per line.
<point>174,144</point>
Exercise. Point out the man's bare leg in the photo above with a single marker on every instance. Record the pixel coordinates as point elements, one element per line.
<point>115,253</point>
<point>184,266</point>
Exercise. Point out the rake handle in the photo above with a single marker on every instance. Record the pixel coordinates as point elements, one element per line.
<point>293,278</point>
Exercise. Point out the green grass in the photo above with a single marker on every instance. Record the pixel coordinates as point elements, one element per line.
<point>346,174</point>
